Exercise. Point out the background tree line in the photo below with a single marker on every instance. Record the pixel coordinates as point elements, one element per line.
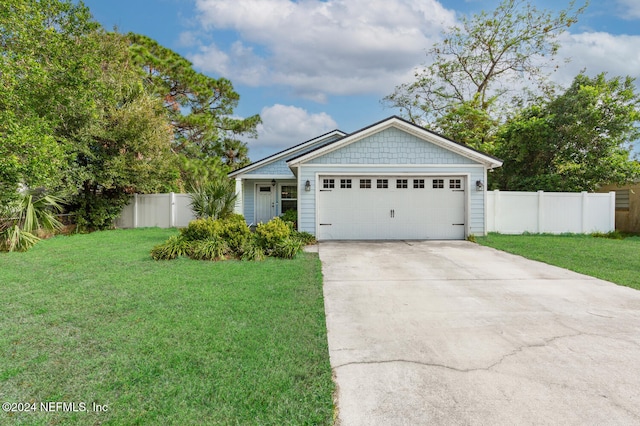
<point>487,85</point>
<point>92,116</point>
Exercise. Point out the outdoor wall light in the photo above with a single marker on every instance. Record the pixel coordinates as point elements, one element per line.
<point>479,185</point>
<point>273,182</point>
<point>307,186</point>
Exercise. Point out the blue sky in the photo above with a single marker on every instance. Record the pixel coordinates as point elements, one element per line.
<point>310,66</point>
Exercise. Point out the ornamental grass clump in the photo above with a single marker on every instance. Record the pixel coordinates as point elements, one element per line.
<point>176,246</point>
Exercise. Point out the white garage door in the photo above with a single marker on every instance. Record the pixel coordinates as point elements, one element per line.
<point>391,208</point>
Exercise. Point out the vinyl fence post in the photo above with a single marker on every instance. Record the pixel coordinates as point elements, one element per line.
<point>540,223</point>
<point>135,210</point>
<point>496,210</point>
<point>584,212</point>
<point>172,210</point>
<point>612,211</point>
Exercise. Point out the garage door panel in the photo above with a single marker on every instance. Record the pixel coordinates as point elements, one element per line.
<point>417,208</point>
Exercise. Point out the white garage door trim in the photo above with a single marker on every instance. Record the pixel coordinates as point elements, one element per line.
<point>413,227</point>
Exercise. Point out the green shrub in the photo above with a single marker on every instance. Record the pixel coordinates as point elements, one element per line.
<point>272,233</point>
<point>234,231</point>
<point>202,229</point>
<point>288,248</point>
<point>290,216</point>
<point>251,250</point>
<point>305,237</point>
<point>212,249</point>
<point>174,247</point>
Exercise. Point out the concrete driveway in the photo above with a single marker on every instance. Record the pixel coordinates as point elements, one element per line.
<point>453,333</point>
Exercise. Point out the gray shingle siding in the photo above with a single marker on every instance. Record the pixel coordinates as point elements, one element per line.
<point>392,146</point>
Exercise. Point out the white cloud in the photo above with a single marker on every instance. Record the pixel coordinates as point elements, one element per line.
<point>599,52</point>
<point>240,62</point>
<point>322,47</point>
<point>187,39</point>
<point>631,9</point>
<point>284,126</point>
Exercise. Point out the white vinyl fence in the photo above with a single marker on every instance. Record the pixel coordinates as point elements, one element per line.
<point>507,212</point>
<point>550,212</point>
<point>161,210</point>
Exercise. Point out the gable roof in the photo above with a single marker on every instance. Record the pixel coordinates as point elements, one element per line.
<point>284,153</point>
<point>406,126</point>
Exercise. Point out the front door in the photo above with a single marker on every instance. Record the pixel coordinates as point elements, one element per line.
<point>265,204</point>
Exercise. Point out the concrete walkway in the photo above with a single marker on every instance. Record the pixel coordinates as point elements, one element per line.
<point>452,333</point>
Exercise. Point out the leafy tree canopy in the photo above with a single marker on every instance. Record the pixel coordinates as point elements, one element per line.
<point>575,142</point>
<point>200,107</point>
<point>478,63</point>
<point>97,116</point>
<point>42,79</point>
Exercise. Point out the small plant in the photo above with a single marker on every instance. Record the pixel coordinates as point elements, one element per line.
<point>21,220</point>
<point>472,238</point>
<point>272,233</point>
<point>251,250</point>
<point>212,249</point>
<point>201,229</point>
<point>290,216</point>
<point>214,198</point>
<point>613,235</point>
<point>288,248</point>
<point>174,247</point>
<point>234,231</point>
<point>305,237</point>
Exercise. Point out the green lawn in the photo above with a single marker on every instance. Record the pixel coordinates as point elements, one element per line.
<point>617,261</point>
<point>93,319</point>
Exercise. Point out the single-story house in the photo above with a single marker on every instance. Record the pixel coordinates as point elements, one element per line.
<point>627,206</point>
<point>391,180</point>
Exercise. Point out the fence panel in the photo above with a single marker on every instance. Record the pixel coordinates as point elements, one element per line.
<point>550,212</point>
<point>161,210</point>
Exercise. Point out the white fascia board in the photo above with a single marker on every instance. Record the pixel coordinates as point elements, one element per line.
<point>265,176</point>
<point>383,166</point>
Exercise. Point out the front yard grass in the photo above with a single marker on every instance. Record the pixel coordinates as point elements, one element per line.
<point>617,261</point>
<point>93,319</point>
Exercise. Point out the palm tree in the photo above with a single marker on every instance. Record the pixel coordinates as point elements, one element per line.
<point>214,198</point>
<point>23,218</point>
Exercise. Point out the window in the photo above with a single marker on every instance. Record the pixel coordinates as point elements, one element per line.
<point>345,183</point>
<point>265,189</point>
<point>289,197</point>
<point>455,184</point>
<point>328,183</point>
<point>418,183</point>
<point>622,199</point>
<point>401,183</point>
<point>365,183</point>
<point>438,183</point>
<point>382,183</point>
